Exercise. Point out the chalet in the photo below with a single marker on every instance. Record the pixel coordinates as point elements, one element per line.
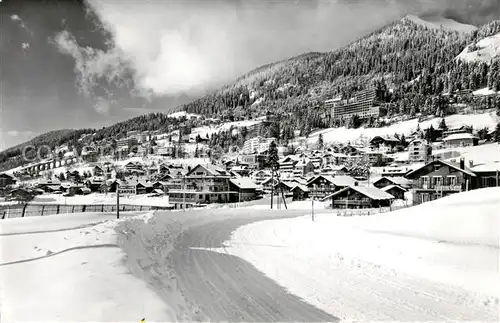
<point>323,185</point>
<point>419,151</point>
<point>386,181</point>
<point>241,170</point>
<point>78,189</point>
<point>246,188</point>
<point>143,187</point>
<point>204,184</point>
<point>73,176</point>
<point>98,171</point>
<point>359,197</point>
<point>395,190</point>
<point>334,170</point>
<point>49,186</point>
<point>457,130</point>
<point>255,161</point>
<point>395,171</point>
<point>163,169</point>
<point>228,164</point>
<point>260,176</point>
<point>267,184</point>
<point>6,180</point>
<point>440,178</point>
<point>488,173</point>
<point>160,185</point>
<point>300,192</point>
<point>95,183</point>
<point>303,167</point>
<point>460,140</point>
<point>287,165</point>
<point>379,142</point>
<point>132,166</point>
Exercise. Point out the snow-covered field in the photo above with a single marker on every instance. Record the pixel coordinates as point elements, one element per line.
<point>106,199</point>
<point>438,261</point>
<point>70,268</point>
<point>488,48</point>
<point>345,135</point>
<point>203,131</point>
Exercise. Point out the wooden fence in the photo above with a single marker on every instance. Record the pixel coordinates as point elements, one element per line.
<point>27,210</point>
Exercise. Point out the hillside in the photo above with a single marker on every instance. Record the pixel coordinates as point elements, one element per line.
<point>413,61</point>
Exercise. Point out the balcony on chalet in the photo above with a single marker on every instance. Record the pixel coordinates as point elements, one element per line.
<point>439,183</point>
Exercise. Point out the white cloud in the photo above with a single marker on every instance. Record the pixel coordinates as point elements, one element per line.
<point>102,106</point>
<point>16,18</point>
<point>92,65</point>
<point>17,133</point>
<point>175,47</point>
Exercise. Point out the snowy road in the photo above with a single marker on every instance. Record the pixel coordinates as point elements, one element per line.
<point>206,285</point>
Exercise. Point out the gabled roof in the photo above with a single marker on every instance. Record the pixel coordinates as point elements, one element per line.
<point>302,187</point>
<point>458,136</point>
<point>396,180</point>
<point>212,169</point>
<point>453,165</point>
<point>371,192</point>
<point>487,167</point>
<point>243,182</point>
<point>389,187</point>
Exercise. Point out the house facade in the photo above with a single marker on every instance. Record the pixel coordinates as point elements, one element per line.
<point>441,178</point>
<point>419,151</point>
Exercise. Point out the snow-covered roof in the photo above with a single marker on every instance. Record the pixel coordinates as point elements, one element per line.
<point>487,167</point>
<point>302,187</point>
<point>396,180</point>
<point>371,192</point>
<point>389,187</point>
<point>243,182</point>
<point>458,136</point>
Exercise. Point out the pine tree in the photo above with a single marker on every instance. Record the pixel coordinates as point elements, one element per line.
<point>320,142</point>
<point>497,133</point>
<point>272,156</point>
<point>442,125</point>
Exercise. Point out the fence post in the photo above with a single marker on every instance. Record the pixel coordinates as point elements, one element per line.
<point>3,216</point>
<point>83,208</point>
<point>24,210</point>
<point>102,208</point>
<point>73,209</point>
<point>43,208</point>
<point>57,209</point>
<point>140,209</point>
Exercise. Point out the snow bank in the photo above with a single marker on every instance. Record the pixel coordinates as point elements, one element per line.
<point>69,268</point>
<point>344,135</point>
<point>437,260</point>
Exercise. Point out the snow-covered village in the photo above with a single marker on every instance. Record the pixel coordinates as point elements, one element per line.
<point>359,183</point>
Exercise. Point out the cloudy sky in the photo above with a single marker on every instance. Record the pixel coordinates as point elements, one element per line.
<point>75,64</point>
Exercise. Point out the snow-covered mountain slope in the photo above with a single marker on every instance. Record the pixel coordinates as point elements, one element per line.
<point>483,51</point>
<point>436,22</point>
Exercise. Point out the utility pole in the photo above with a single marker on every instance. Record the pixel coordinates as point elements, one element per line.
<point>184,194</point>
<point>272,187</point>
<point>117,201</point>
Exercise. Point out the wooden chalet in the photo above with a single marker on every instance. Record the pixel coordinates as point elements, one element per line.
<point>359,197</point>
<point>440,178</point>
<point>324,185</point>
<point>395,190</point>
<point>396,180</point>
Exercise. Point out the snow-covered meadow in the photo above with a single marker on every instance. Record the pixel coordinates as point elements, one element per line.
<point>70,268</point>
<point>435,261</point>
